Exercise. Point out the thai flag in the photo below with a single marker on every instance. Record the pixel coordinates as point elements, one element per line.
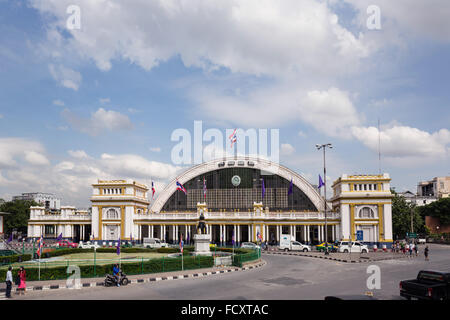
<point>41,246</point>
<point>153,190</point>
<point>233,137</point>
<point>259,236</point>
<point>204,188</point>
<point>118,247</point>
<point>180,187</point>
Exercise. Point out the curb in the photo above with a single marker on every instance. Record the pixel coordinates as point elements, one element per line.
<point>136,281</point>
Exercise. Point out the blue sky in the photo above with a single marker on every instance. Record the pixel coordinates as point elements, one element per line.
<point>103,101</point>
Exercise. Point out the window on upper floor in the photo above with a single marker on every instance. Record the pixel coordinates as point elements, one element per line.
<point>112,214</point>
<point>366,212</point>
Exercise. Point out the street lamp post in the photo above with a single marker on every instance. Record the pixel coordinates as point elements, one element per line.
<point>324,146</point>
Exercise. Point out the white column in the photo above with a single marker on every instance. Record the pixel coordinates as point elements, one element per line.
<point>333,229</point>
<point>307,234</point>
<point>163,233</point>
<point>238,233</point>
<point>278,233</point>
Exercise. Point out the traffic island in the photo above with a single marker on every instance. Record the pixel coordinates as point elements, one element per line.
<point>345,257</point>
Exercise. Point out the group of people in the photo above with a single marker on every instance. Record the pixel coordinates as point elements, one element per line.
<point>20,281</point>
<point>409,248</point>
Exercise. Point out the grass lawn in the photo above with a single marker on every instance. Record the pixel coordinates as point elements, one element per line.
<point>88,258</point>
<point>112,255</point>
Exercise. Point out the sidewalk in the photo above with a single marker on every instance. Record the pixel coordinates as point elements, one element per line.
<point>139,278</point>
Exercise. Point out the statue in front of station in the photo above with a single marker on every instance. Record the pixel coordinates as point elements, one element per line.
<point>201,227</point>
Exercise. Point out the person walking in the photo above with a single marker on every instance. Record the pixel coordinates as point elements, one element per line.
<point>9,281</point>
<point>22,276</point>
<point>426,253</point>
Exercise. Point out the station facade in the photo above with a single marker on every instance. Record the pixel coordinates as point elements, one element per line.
<point>229,193</point>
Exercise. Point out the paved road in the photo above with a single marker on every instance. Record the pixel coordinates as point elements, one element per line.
<point>283,277</point>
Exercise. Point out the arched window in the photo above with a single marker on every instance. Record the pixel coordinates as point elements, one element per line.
<point>366,212</point>
<point>112,214</point>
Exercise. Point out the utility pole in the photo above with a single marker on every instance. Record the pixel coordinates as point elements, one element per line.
<point>324,146</point>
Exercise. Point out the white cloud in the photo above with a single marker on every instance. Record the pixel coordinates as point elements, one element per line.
<point>15,150</point>
<point>58,103</point>
<point>329,111</point>
<point>301,134</point>
<point>102,120</point>
<point>79,154</point>
<point>405,142</point>
<point>252,37</point>
<point>65,76</point>
<point>1,116</point>
<point>104,100</point>
<point>137,166</point>
<point>36,158</point>
<point>286,149</point>
<point>71,179</point>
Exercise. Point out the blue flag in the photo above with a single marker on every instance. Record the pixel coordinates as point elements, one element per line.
<point>291,187</point>
<point>320,182</point>
<point>232,238</point>
<point>118,247</point>
<point>263,189</point>
<point>187,239</point>
<point>59,237</point>
<point>10,238</point>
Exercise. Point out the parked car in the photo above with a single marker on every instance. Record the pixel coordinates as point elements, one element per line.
<point>429,285</point>
<point>331,247</point>
<point>67,244</point>
<point>294,246</point>
<point>88,245</point>
<point>249,245</point>
<point>353,246</point>
<point>154,243</point>
<point>422,240</point>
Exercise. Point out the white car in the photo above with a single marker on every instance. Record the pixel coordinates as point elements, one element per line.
<point>154,243</point>
<point>353,246</point>
<point>295,246</point>
<point>88,245</point>
<point>249,245</point>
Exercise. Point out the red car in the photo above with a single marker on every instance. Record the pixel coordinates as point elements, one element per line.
<point>67,244</point>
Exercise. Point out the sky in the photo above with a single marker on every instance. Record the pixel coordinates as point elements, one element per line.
<point>96,91</point>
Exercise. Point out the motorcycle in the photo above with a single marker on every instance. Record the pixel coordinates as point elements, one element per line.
<point>111,280</point>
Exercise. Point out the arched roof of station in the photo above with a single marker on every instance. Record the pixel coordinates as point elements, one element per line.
<point>239,162</point>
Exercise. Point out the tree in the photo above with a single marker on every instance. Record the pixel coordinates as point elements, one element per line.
<point>401,217</point>
<point>19,214</point>
<point>439,209</point>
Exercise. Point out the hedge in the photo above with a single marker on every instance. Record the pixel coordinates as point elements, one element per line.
<point>14,258</point>
<point>129,268</point>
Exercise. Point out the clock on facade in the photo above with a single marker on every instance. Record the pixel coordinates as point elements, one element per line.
<point>236,180</point>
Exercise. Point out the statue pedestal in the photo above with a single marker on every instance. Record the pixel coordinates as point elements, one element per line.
<point>201,245</point>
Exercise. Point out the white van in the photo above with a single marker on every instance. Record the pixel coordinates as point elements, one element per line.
<point>353,246</point>
<point>154,243</point>
<point>287,244</point>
